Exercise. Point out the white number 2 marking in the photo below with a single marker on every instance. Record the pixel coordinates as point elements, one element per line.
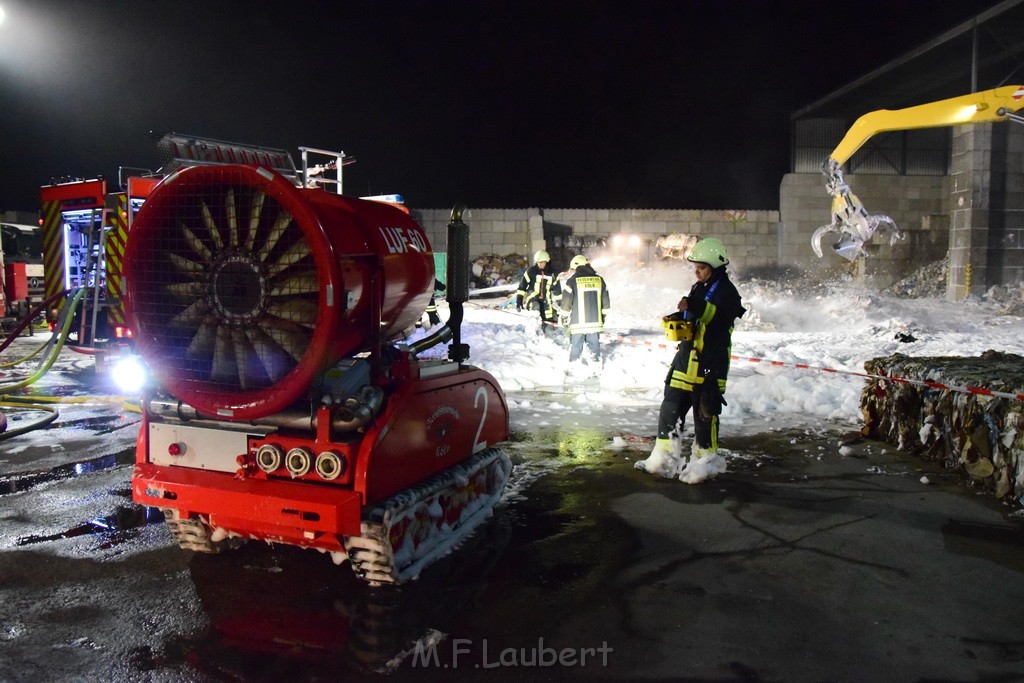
<point>480,392</point>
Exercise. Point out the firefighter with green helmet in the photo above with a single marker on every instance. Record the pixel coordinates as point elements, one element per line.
<point>586,301</point>
<point>697,377</point>
<point>535,288</point>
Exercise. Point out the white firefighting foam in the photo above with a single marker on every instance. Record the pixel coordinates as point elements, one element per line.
<point>836,326</point>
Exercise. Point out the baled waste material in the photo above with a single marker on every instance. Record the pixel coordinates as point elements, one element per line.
<point>978,434</point>
<point>490,270</point>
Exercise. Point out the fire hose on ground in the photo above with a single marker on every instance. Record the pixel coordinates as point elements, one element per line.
<point>25,323</point>
<point>55,343</point>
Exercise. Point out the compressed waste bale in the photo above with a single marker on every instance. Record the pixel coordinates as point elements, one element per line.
<point>980,435</point>
<point>489,270</point>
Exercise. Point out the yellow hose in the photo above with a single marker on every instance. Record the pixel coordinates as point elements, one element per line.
<point>28,357</point>
<point>68,314</point>
<point>40,398</point>
<point>51,415</point>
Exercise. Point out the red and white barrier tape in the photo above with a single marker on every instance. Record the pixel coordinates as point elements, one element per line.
<point>977,391</point>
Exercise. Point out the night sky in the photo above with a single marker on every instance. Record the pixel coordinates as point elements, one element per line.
<point>496,104</point>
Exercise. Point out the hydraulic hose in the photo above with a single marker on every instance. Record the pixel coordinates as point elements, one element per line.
<point>28,357</point>
<point>67,400</point>
<point>50,416</point>
<point>441,336</point>
<point>56,340</point>
<point>32,316</point>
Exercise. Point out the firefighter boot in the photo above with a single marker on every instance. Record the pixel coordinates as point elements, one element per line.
<point>705,463</point>
<point>662,460</point>
<point>698,453</point>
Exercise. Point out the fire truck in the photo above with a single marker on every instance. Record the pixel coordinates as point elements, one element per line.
<point>21,266</point>
<point>84,230</point>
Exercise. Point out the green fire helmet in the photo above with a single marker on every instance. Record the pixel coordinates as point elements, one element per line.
<point>541,256</point>
<point>709,250</point>
<point>577,261</point>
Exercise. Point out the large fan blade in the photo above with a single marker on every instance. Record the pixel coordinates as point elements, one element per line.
<point>186,266</point>
<point>218,243</point>
<point>223,368</point>
<point>191,315</point>
<point>196,244</point>
<point>272,357</point>
<point>186,290</point>
<point>301,283</point>
<point>242,349</point>
<point>254,219</point>
<point>295,310</point>
<point>275,234</point>
<point>294,254</point>
<point>288,336</point>
<point>232,213</point>
<point>201,347</point>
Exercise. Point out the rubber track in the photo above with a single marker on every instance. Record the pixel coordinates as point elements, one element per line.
<point>193,534</point>
<point>371,553</point>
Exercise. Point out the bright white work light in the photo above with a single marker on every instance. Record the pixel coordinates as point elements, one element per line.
<point>129,374</point>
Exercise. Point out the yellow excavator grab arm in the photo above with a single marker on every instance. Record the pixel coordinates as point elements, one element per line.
<point>850,220</point>
<point>979,107</point>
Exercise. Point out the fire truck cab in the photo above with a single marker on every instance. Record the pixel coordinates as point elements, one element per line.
<point>22,269</point>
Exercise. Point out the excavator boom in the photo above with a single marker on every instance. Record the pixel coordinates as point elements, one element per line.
<point>850,220</point>
<point>979,107</point>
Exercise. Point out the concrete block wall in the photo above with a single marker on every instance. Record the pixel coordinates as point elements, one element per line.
<point>971,204</point>
<point>1008,174</point>
<point>918,204</point>
<point>751,237</point>
<point>756,240</point>
<point>492,231</point>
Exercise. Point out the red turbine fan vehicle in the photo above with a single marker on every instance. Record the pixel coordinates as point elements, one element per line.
<point>284,410</point>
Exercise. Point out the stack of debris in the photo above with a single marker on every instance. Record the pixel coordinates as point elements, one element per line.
<point>490,270</point>
<point>980,435</point>
<point>676,246</point>
<point>928,281</point>
<point>1007,300</point>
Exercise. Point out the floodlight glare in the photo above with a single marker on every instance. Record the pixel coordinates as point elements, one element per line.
<point>129,374</point>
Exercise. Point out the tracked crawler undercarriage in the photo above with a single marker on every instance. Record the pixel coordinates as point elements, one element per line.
<point>400,536</point>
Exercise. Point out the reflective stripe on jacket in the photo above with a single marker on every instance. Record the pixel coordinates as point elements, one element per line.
<point>709,352</point>
<point>585,297</point>
<point>536,284</point>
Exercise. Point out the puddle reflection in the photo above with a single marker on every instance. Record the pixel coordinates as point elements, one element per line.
<point>287,613</point>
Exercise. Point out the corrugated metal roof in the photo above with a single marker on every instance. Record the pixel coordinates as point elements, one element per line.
<point>984,52</point>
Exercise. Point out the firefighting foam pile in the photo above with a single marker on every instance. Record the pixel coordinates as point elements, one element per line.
<point>838,326</point>
<point>671,463</point>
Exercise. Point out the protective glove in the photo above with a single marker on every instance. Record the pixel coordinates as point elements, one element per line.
<point>711,400</point>
<point>519,303</point>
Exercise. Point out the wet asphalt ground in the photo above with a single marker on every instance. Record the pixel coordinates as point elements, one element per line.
<point>806,561</point>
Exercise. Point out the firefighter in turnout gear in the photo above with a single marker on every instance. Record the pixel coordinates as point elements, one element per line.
<point>585,299</point>
<point>535,288</point>
<point>556,295</point>
<point>696,379</point>
<point>432,316</point>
